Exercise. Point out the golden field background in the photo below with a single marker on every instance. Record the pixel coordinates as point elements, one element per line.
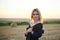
<point>51,32</point>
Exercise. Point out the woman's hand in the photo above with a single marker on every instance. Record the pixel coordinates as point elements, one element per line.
<point>26,33</point>
<point>29,30</point>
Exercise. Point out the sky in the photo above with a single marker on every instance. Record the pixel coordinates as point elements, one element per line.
<point>23,8</point>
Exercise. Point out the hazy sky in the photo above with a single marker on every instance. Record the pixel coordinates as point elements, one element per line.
<point>23,8</point>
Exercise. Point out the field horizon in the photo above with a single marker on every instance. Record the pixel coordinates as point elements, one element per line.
<point>26,19</point>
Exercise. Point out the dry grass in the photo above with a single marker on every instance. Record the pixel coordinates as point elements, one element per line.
<point>52,32</point>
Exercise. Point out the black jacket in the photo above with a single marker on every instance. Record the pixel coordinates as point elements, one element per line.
<point>37,30</point>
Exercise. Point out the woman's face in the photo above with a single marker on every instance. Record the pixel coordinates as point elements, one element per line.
<point>35,15</point>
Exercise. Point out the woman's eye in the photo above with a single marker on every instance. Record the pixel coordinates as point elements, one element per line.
<point>35,14</point>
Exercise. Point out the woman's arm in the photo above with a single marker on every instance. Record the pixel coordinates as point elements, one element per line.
<point>28,29</point>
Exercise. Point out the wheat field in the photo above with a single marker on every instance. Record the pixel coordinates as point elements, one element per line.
<point>51,32</point>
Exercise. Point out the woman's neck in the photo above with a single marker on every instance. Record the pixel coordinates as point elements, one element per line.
<point>36,21</point>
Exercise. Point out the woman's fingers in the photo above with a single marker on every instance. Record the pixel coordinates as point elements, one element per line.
<point>29,30</point>
<point>25,33</point>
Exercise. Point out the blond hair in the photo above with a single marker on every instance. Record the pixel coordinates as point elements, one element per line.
<point>39,13</point>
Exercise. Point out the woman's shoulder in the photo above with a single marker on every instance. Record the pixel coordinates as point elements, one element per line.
<point>35,24</point>
<point>39,24</point>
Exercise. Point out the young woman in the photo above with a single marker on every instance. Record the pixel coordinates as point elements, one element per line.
<point>35,29</point>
